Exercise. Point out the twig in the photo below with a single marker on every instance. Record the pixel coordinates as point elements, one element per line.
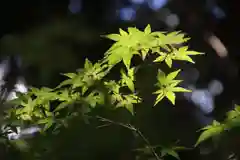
<point>148,144</point>
<point>129,126</point>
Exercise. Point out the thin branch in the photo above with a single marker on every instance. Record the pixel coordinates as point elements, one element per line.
<point>129,126</point>
<point>148,144</point>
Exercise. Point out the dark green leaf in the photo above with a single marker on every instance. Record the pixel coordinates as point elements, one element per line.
<point>171,152</point>
<point>210,132</point>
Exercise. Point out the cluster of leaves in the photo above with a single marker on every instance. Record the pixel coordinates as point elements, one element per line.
<point>89,87</point>
<point>216,129</point>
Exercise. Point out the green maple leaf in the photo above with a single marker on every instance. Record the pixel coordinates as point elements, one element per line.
<point>184,54</point>
<point>167,86</point>
<point>128,44</point>
<point>147,30</point>
<point>114,37</point>
<point>210,131</point>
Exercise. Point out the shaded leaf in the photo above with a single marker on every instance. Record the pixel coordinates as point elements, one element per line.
<point>61,106</point>
<point>171,152</point>
<point>210,132</point>
<point>129,107</point>
<point>20,144</point>
<point>87,64</point>
<point>48,125</point>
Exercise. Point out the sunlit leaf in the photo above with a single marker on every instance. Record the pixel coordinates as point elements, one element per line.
<point>180,89</point>
<point>127,59</point>
<point>184,54</point>
<point>171,96</point>
<point>147,30</point>
<point>144,53</point>
<point>168,61</point>
<point>114,37</point>
<point>194,53</point>
<point>128,81</point>
<point>159,97</point>
<point>132,30</point>
<point>161,77</point>
<point>87,87</point>
<point>122,32</point>
<point>160,58</point>
<point>172,75</point>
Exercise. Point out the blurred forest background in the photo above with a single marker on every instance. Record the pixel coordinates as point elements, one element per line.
<point>53,37</point>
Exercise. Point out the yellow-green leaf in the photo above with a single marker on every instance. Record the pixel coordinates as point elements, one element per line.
<point>168,61</point>
<point>194,53</point>
<point>128,81</point>
<point>147,30</point>
<point>180,89</point>
<point>127,59</point>
<point>132,30</point>
<point>171,96</point>
<point>144,53</point>
<point>122,32</point>
<point>160,58</point>
<point>159,97</point>
<point>174,83</point>
<point>114,37</point>
<point>161,77</point>
<point>184,58</point>
<point>172,75</point>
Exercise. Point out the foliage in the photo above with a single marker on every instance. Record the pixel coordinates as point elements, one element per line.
<point>216,129</point>
<point>89,87</point>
